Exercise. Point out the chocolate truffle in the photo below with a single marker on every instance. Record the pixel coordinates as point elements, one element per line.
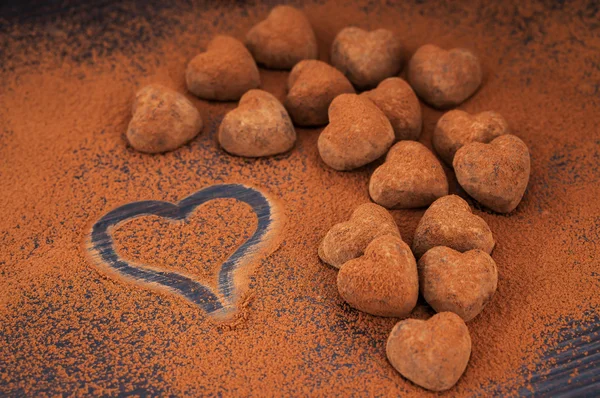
<point>432,354</point>
<point>462,283</point>
<point>312,85</point>
<point>457,128</point>
<point>349,239</point>
<point>383,281</point>
<point>163,120</point>
<point>259,126</point>
<point>450,222</point>
<point>444,78</point>
<point>401,106</point>
<point>411,176</point>
<point>283,39</point>
<point>357,134</point>
<point>495,174</point>
<point>366,57</point>
<point>224,72</point>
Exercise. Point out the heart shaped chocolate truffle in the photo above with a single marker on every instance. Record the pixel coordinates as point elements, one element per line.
<point>312,85</point>
<point>283,39</point>
<point>444,78</point>
<point>384,281</point>
<point>450,222</point>
<point>462,283</point>
<point>366,57</point>
<point>259,126</point>
<point>457,128</point>
<point>224,72</point>
<point>401,106</point>
<point>432,354</point>
<point>495,174</point>
<point>349,239</point>
<point>162,120</point>
<point>357,134</point>
<point>410,177</point>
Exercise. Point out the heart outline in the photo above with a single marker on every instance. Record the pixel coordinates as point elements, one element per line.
<point>220,304</point>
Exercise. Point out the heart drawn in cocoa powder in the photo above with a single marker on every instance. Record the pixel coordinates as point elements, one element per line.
<point>233,273</point>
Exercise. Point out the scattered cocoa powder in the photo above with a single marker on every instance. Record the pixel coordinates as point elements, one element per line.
<point>158,243</point>
<point>66,89</point>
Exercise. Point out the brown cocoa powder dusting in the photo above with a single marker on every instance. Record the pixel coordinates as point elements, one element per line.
<point>68,328</point>
<point>217,227</point>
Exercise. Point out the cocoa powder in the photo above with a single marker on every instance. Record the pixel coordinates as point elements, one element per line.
<point>66,89</point>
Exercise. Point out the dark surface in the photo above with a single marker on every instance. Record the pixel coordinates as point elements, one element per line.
<point>580,348</point>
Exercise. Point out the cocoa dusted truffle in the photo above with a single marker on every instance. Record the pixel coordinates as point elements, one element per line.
<point>432,354</point>
<point>349,239</point>
<point>162,121</point>
<point>410,177</point>
<point>283,39</point>
<point>259,126</point>
<point>462,283</point>
<point>495,174</point>
<point>224,72</point>
<point>444,78</point>
<point>312,85</point>
<point>450,222</point>
<point>401,106</point>
<point>457,128</point>
<point>383,281</point>
<point>366,57</point>
<point>357,134</point>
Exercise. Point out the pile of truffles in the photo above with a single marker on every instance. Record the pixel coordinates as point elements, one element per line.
<point>369,111</point>
<point>449,263</point>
